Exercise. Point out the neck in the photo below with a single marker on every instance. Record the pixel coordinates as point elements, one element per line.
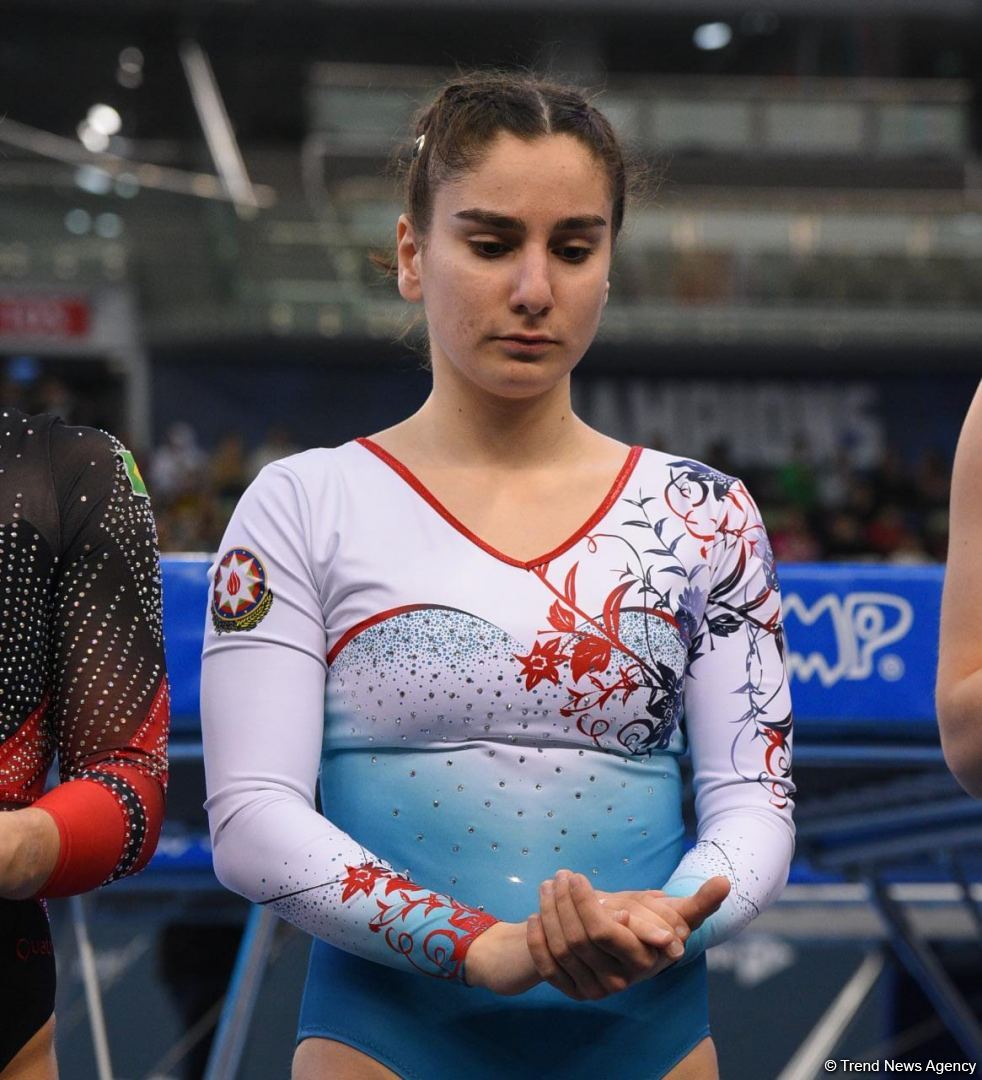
<point>461,424</point>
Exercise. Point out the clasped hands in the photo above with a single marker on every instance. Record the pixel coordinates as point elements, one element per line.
<point>588,943</point>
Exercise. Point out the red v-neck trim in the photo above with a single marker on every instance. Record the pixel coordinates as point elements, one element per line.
<point>416,484</point>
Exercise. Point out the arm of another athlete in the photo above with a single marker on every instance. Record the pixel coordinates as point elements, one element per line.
<point>29,849</point>
<point>109,704</point>
<point>959,690</point>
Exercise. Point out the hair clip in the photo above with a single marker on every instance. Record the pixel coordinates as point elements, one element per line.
<point>418,146</point>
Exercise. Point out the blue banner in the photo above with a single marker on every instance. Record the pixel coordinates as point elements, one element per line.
<point>862,646</point>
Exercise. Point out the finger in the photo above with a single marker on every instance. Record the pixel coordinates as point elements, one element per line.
<point>650,935</point>
<point>695,909</point>
<point>597,921</point>
<point>545,963</point>
<point>649,906</point>
<point>655,912</point>
<point>630,952</point>
<point>560,947</point>
<point>660,906</point>
<point>608,976</point>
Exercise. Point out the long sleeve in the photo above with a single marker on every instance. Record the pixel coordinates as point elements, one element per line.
<point>108,706</point>
<point>738,721</point>
<point>262,705</point>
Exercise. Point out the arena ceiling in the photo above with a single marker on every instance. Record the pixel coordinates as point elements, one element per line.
<point>59,56</point>
<point>964,9</point>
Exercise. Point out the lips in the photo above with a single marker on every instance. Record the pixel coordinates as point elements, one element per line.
<point>528,339</point>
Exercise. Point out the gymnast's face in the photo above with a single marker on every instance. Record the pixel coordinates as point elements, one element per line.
<point>513,270</point>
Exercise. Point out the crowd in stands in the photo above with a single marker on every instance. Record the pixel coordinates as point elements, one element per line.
<point>896,512</point>
<point>194,492</point>
<point>815,511</point>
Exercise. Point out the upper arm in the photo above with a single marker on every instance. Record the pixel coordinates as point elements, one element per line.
<point>109,685</point>
<point>109,704</point>
<point>961,642</point>
<point>264,664</point>
<point>737,701</point>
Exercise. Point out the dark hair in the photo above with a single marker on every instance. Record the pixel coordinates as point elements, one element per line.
<point>469,111</point>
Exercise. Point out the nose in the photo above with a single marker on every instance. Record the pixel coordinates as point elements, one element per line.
<point>532,286</point>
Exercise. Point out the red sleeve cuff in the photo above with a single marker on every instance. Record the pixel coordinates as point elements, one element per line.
<point>92,829</point>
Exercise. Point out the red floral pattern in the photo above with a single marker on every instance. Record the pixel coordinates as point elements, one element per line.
<point>741,603</point>
<point>362,879</point>
<point>438,950</point>
<point>542,663</point>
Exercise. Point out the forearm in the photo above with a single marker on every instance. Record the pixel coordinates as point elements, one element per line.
<point>108,820</point>
<point>29,849</point>
<point>272,847</point>
<point>753,850</point>
<point>960,721</point>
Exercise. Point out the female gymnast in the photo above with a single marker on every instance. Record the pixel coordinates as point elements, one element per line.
<point>81,672</point>
<point>521,625</point>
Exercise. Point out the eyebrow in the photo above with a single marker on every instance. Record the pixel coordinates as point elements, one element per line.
<point>511,224</point>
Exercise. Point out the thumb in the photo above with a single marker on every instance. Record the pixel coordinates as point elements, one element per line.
<point>695,909</point>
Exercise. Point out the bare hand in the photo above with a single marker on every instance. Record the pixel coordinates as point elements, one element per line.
<point>29,849</point>
<point>590,945</point>
<point>499,960</point>
<point>683,913</point>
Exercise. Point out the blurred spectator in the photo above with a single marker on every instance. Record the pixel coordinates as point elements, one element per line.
<point>835,481</point>
<point>791,537</point>
<point>228,469</point>
<point>796,483</point>
<point>178,465</point>
<point>276,444</point>
<point>887,531</point>
<point>54,396</point>
<point>891,479</point>
<point>932,480</point>
<point>896,512</point>
<point>845,537</point>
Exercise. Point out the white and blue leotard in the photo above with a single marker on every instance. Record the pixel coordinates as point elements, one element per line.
<point>487,722</point>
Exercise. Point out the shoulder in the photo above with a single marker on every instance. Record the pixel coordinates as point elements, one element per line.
<point>20,431</point>
<point>91,457</point>
<point>684,472</point>
<point>306,487</point>
<point>71,441</point>
<point>313,472</point>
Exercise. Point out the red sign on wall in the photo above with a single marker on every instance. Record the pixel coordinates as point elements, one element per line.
<point>43,317</point>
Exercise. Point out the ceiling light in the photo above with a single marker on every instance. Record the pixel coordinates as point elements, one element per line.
<point>127,186</point>
<point>131,60</point>
<point>78,221</point>
<point>95,141</point>
<point>109,226</point>
<point>711,36</point>
<point>93,180</point>
<point>129,74</point>
<point>104,119</point>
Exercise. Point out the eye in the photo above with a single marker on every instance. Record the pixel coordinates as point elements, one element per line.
<point>574,253</point>
<point>489,249</point>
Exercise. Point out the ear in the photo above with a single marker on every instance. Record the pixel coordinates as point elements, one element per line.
<point>606,292</point>
<point>407,261</point>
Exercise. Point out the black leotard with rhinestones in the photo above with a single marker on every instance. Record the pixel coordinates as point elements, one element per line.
<point>81,647</point>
